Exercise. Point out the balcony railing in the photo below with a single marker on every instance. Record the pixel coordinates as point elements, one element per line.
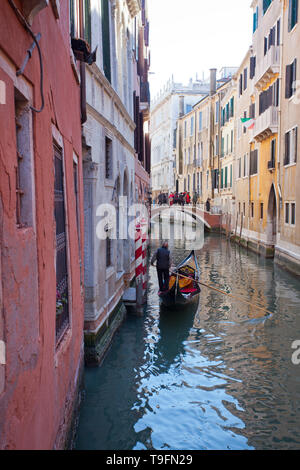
<point>267,67</point>
<point>266,124</point>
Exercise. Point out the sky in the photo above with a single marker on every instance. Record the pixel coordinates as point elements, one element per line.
<point>192,36</point>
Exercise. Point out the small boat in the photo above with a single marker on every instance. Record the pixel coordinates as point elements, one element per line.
<point>183,285</point>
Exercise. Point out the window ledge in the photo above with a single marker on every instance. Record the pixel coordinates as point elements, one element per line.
<point>289,165</point>
<point>109,272</point>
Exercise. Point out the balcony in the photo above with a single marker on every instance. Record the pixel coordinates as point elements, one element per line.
<point>267,67</point>
<point>266,124</point>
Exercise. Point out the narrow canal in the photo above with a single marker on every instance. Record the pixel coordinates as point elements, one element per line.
<point>218,375</point>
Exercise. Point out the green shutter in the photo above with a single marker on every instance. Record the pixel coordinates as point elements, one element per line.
<point>106,39</point>
<point>226,171</point>
<point>222,176</point>
<point>87,21</point>
<point>231,176</point>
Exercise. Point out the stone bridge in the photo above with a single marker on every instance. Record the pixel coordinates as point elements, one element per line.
<point>210,221</point>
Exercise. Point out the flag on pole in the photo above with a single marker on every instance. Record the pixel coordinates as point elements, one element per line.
<point>248,122</point>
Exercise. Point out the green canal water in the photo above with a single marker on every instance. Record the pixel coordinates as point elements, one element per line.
<point>216,375</point>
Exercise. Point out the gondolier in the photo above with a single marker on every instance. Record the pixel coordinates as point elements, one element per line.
<point>183,283</point>
<point>163,264</point>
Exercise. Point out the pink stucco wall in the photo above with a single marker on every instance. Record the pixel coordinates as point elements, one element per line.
<point>40,379</point>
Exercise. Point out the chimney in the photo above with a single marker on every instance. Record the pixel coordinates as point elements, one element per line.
<point>213,81</point>
<point>181,106</point>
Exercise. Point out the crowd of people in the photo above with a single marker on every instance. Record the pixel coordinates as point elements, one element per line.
<point>180,199</point>
<point>177,198</point>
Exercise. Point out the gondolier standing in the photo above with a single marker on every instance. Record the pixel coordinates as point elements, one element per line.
<point>163,264</point>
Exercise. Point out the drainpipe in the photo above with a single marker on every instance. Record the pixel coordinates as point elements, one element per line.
<point>279,128</point>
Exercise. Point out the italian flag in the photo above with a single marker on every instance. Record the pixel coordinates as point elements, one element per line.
<point>248,122</point>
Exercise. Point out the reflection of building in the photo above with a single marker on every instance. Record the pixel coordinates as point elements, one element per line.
<point>173,101</point>
<point>116,158</point>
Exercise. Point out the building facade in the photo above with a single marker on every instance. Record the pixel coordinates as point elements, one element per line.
<point>41,226</point>
<point>116,161</point>
<point>287,250</point>
<point>174,101</point>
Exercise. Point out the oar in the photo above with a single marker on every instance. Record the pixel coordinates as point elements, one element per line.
<point>225,293</point>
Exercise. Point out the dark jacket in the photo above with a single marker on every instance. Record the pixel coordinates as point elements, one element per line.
<point>162,256</point>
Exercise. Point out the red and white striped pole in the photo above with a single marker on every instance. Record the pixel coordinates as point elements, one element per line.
<point>144,245</point>
<point>138,254</point>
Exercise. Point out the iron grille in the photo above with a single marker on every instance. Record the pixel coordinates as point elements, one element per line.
<point>62,295</point>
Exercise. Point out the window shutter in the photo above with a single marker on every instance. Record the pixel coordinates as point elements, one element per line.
<point>287,149</point>
<point>288,76</point>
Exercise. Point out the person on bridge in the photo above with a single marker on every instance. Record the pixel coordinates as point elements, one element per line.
<point>163,264</point>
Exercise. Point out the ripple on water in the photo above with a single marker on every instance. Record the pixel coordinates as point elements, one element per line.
<point>215,376</point>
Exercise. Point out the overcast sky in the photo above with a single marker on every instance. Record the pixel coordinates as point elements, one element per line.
<point>192,36</point>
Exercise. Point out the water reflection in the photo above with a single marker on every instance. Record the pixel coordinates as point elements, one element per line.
<point>215,375</point>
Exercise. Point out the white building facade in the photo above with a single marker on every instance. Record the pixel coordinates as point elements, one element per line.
<point>174,101</point>
<point>109,166</point>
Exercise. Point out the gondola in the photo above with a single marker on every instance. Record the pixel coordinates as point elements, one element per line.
<point>182,290</point>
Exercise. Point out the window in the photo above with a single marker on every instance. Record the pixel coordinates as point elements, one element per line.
<point>252,209</point>
<point>231,113</point>
<point>244,209</point>
<point>245,165</point>
<point>290,79</point>
<point>76,192</point>
<point>266,4</point>
<point>222,147</point>
<point>108,250</point>
<point>24,166</point>
<point>245,78</point>
<point>261,210</point>
<point>269,97</point>
<point>291,143</point>
<point>226,177</point>
<point>87,21</point>
<point>252,66</point>
<point>217,145</point>
<point>192,125</point>
<point>293,14</point>
<point>231,176</point>
<point>231,141</point>
<point>253,162</point>
<point>62,294</point>
<point>200,121</point>
<point>273,154</point>
<point>74,18</point>
<point>185,129</point>
<point>239,167</point>
<point>293,213</point>
<point>287,213</point>
<point>222,178</point>
<point>255,20</point>
<point>108,159</point>
<point>106,38</point>
<point>217,112</point>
